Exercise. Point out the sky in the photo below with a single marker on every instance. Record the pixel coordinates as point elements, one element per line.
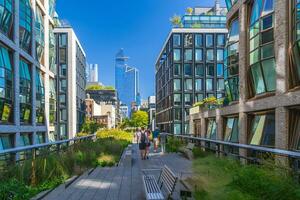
<point>139,26</point>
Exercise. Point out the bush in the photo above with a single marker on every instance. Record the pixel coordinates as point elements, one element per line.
<point>173,144</point>
<point>199,153</point>
<point>115,134</point>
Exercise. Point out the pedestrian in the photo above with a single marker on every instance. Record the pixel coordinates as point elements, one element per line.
<point>155,135</point>
<point>163,140</point>
<point>137,135</point>
<point>142,143</point>
<point>148,143</point>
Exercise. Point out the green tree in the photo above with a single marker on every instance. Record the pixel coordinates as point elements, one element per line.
<point>99,87</point>
<point>176,21</point>
<point>91,127</point>
<point>140,119</point>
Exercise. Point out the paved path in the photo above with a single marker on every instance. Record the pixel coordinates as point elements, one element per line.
<point>120,183</point>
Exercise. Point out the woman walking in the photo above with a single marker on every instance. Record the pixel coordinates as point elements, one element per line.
<point>148,143</point>
<point>142,143</point>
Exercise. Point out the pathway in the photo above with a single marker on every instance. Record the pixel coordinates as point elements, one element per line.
<point>120,183</point>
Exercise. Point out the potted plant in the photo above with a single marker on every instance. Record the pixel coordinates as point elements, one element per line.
<point>176,21</point>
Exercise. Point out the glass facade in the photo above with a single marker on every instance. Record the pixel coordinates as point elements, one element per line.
<point>25,24</point>
<point>51,10</point>
<point>6,86</point>
<point>295,75</point>
<point>6,17</point>
<point>6,142</point>
<point>40,97</point>
<point>25,92</point>
<point>232,130</point>
<point>261,58</point>
<point>39,34</point>
<point>230,3</point>
<point>52,101</point>
<point>204,21</point>
<point>263,130</point>
<point>232,62</point>
<point>52,50</point>
<point>211,131</point>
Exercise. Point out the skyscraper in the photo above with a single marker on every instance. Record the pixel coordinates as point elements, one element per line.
<point>127,80</point>
<point>92,72</point>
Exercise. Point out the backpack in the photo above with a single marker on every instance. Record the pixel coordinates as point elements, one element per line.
<point>143,137</point>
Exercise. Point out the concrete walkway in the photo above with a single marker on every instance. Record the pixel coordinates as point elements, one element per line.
<point>123,182</point>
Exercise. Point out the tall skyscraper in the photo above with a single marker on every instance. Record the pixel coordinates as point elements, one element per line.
<point>190,67</point>
<point>92,72</point>
<point>126,80</point>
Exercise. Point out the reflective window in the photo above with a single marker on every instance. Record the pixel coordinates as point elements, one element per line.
<point>52,101</point>
<point>177,55</point>
<point>188,84</point>
<point>40,137</point>
<point>295,67</point>
<point>188,99</point>
<point>262,46</point>
<point>199,70</point>
<point>188,70</point>
<point>198,55</point>
<point>188,55</point>
<point>26,139</point>
<point>6,86</point>
<point>177,84</point>
<point>52,52</point>
<point>39,34</point>
<point>209,54</point>
<point>25,24</point>
<point>211,131</point>
<point>178,114</point>
<point>6,17</point>
<point>220,39</point>
<point>210,69</point>
<point>177,129</point>
<point>199,84</point>
<point>6,142</point>
<point>209,40</point>
<point>177,69</point>
<point>220,85</point>
<point>220,71</point>
<point>52,7</point>
<point>176,40</point>
<point>198,40</point>
<point>232,130</point>
<point>220,54</point>
<point>25,92</point>
<point>209,84</point>
<point>40,97</point>
<point>177,99</point>
<point>199,97</point>
<point>263,130</point>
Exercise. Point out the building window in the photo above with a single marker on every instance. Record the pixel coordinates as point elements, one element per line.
<point>52,8</point>
<point>6,17</point>
<point>178,114</point>
<point>52,51</point>
<point>52,101</point>
<point>40,137</point>
<point>188,40</point>
<point>25,92</point>
<point>177,69</point>
<point>199,70</point>
<point>188,84</point>
<point>230,3</point>
<point>177,99</point>
<point>177,84</point>
<point>176,40</point>
<point>220,40</point>
<point>25,25</point>
<point>209,84</point>
<point>199,97</point>
<point>211,131</point>
<point>188,55</point>
<point>198,55</point>
<point>198,40</point>
<point>39,34</point>
<point>295,66</point>
<point>40,97</point>
<point>209,40</point>
<point>63,115</point>
<point>263,130</point>
<point>188,99</point>
<point>210,55</point>
<point>220,71</point>
<point>210,70</point>
<point>177,56</point>
<point>294,128</point>
<point>232,62</point>
<point>177,129</point>
<point>6,142</point>
<point>220,85</point>
<point>232,130</point>
<point>6,86</point>
<point>199,84</point>
<point>26,139</point>
<point>220,55</point>
<point>188,70</point>
<point>262,61</point>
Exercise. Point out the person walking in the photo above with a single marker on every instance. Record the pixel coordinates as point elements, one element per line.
<point>148,143</point>
<point>142,144</point>
<point>155,135</point>
<point>163,140</point>
<point>137,135</point>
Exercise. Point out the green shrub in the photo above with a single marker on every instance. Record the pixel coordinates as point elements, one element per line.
<point>115,134</point>
<point>173,144</point>
<point>199,153</point>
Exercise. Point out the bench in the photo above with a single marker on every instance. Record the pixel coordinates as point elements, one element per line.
<point>166,183</point>
<point>188,150</point>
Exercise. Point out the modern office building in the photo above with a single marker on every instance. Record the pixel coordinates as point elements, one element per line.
<point>123,111</point>
<point>190,67</point>
<point>69,84</point>
<point>151,112</point>
<point>92,73</point>
<point>27,63</point>
<point>127,80</point>
<point>262,78</point>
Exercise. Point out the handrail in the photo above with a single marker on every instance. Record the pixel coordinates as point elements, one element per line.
<point>37,146</point>
<point>293,154</point>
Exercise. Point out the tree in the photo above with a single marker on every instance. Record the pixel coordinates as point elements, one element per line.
<point>91,127</point>
<point>176,21</point>
<point>99,87</point>
<point>189,10</point>
<point>140,119</point>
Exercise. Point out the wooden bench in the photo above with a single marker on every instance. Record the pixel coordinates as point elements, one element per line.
<point>188,150</point>
<point>166,183</point>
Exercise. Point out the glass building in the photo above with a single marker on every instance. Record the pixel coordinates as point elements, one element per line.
<point>25,94</point>
<point>190,68</point>
<point>261,79</point>
<point>126,80</point>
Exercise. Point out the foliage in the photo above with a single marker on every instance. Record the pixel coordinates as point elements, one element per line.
<point>115,134</point>
<point>126,123</point>
<point>210,102</point>
<point>189,10</point>
<point>224,178</point>
<point>196,25</point>
<point>99,87</point>
<point>173,144</point>
<point>140,119</point>
<point>199,153</point>
<point>176,21</point>
<point>90,127</point>
<point>54,169</point>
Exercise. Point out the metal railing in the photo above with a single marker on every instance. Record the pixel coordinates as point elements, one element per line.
<point>19,154</point>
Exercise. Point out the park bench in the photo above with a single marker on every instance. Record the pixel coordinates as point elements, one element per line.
<point>155,189</point>
<point>188,150</point>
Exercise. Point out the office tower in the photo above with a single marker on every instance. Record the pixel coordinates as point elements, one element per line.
<point>92,71</point>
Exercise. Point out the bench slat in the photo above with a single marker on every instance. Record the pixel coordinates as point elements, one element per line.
<point>152,189</point>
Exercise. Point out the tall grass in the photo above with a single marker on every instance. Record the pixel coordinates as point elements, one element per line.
<point>52,169</point>
<point>224,178</point>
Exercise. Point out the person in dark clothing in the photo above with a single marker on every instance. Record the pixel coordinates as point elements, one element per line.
<point>142,143</point>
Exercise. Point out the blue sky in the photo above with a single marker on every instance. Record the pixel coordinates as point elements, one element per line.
<point>138,26</point>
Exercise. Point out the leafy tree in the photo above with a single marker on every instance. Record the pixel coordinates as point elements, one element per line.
<point>99,87</point>
<point>91,127</point>
<point>140,119</point>
<point>189,10</point>
<point>176,21</point>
